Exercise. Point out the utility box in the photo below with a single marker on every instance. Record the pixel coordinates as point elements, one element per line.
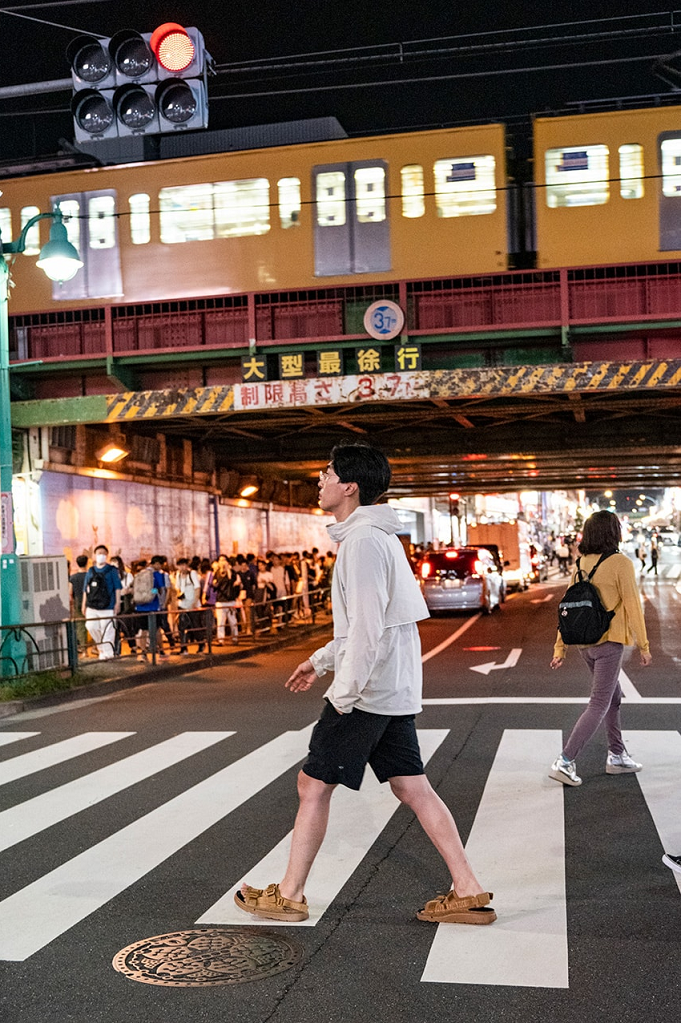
<point>44,598</point>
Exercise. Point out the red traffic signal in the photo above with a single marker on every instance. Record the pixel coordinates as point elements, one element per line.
<point>172,47</point>
<point>454,497</point>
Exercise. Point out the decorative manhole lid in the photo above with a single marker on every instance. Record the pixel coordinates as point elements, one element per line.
<point>207,956</point>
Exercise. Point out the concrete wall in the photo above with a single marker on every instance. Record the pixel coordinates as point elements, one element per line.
<point>138,519</point>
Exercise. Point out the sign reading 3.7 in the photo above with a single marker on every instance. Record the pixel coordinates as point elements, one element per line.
<point>383,320</point>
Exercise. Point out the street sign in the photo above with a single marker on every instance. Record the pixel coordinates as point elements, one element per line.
<point>7,546</point>
<point>383,320</point>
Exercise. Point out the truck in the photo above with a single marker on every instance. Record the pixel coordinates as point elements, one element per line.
<point>512,542</point>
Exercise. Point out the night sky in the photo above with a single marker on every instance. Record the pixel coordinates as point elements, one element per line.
<point>242,31</point>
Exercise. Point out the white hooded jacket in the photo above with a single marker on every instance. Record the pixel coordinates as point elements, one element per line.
<point>376,649</point>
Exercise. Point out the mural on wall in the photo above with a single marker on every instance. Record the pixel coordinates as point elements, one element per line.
<point>137,520</point>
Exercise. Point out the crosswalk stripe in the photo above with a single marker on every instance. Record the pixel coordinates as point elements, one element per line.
<point>57,753</point>
<point>356,821</point>
<point>7,737</point>
<point>660,753</point>
<point>672,572</point>
<point>34,815</point>
<point>517,846</point>
<point>40,912</point>
<point>629,690</point>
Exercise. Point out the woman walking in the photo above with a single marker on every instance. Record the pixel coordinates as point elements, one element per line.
<point>616,584</point>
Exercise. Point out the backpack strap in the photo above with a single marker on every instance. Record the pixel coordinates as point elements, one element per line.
<point>601,559</point>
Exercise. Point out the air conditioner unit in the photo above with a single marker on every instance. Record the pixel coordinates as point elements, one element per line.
<point>44,598</point>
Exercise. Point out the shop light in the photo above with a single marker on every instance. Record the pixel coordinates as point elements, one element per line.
<point>111,452</point>
<point>249,490</point>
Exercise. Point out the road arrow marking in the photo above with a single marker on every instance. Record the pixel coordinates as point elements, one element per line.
<point>542,600</point>
<point>510,662</point>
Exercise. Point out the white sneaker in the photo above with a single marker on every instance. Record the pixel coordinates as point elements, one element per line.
<point>564,771</point>
<point>621,763</point>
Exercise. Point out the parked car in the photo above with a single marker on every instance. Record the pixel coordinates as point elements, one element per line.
<point>461,579</point>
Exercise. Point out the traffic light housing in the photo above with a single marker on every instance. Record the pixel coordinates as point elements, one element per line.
<point>138,83</point>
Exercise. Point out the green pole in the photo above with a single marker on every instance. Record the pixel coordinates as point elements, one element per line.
<point>12,652</point>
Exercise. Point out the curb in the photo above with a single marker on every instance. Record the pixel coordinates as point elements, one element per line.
<point>104,687</point>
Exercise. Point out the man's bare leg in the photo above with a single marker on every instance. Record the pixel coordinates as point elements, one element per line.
<point>436,820</point>
<point>308,834</point>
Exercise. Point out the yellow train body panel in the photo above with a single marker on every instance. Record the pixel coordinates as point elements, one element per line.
<point>280,259</point>
<point>620,229</point>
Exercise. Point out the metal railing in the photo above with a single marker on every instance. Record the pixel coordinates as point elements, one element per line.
<point>66,644</point>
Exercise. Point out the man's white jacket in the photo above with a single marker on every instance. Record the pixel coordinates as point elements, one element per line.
<point>376,649</point>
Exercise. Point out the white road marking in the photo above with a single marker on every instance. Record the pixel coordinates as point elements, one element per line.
<point>510,662</point>
<point>7,737</point>
<point>672,572</point>
<point>40,912</point>
<point>57,753</point>
<point>34,815</point>
<point>660,754</point>
<point>463,701</point>
<point>542,600</point>
<point>450,639</point>
<point>527,946</point>
<point>629,690</point>
<point>356,820</point>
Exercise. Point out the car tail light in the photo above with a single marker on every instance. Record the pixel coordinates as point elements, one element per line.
<point>426,569</point>
<point>479,568</point>
<point>451,554</point>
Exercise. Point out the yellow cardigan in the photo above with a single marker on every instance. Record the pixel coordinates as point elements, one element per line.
<point>617,587</point>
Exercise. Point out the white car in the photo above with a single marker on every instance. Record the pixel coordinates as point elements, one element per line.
<point>461,579</point>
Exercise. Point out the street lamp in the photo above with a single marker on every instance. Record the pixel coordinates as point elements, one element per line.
<point>60,261</point>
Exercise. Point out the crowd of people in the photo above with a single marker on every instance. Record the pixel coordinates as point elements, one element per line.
<point>191,600</point>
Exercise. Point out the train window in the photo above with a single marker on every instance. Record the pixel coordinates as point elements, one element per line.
<point>465,187</point>
<point>186,213</point>
<point>101,221</point>
<point>242,207</point>
<point>6,223</point>
<point>631,171</point>
<point>577,176</point>
<point>370,194</point>
<point>140,220</point>
<point>289,202</point>
<point>33,236</point>
<point>413,202</point>
<point>331,199</point>
<point>70,209</point>
<point>671,166</point>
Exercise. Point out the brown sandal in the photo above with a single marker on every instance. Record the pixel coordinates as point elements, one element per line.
<point>451,909</point>
<point>270,904</point>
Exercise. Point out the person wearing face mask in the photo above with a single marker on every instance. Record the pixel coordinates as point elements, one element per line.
<point>102,603</point>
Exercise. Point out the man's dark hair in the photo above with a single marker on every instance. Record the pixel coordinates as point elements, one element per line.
<point>182,561</point>
<point>82,560</point>
<point>101,547</point>
<point>602,533</point>
<point>158,559</point>
<point>367,467</point>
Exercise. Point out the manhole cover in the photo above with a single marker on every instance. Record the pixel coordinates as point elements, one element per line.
<point>207,956</point>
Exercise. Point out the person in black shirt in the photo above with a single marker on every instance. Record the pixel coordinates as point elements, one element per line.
<point>76,585</point>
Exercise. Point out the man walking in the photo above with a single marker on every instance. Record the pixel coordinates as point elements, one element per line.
<point>376,692</point>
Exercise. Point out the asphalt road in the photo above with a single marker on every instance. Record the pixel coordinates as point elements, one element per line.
<point>136,815</point>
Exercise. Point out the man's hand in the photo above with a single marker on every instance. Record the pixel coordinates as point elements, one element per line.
<point>302,678</point>
<point>557,662</point>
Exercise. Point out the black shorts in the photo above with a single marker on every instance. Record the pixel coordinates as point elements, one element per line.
<point>343,744</point>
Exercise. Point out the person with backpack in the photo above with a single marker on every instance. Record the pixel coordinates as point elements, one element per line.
<point>600,613</point>
<point>148,590</point>
<point>227,585</point>
<point>188,588</point>
<point>102,603</point>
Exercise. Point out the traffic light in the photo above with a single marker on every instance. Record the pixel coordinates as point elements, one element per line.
<point>454,504</point>
<point>138,83</point>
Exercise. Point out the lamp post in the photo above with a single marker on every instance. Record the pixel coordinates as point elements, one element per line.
<point>59,259</point>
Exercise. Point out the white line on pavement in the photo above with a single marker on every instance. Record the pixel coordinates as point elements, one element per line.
<point>462,701</point>
<point>356,821</point>
<point>527,946</point>
<point>660,753</point>
<point>628,688</point>
<point>34,815</point>
<point>450,639</point>
<point>7,737</point>
<point>40,912</point>
<point>57,753</point>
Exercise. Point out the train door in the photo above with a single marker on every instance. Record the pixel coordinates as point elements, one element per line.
<point>352,229</point>
<point>670,191</point>
<point>92,226</point>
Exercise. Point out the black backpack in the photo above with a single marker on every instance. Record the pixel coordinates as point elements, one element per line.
<point>582,619</point>
<point>98,590</point>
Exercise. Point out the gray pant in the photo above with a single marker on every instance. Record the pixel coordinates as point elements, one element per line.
<point>604,663</point>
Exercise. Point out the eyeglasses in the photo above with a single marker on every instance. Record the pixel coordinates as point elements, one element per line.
<point>326,474</point>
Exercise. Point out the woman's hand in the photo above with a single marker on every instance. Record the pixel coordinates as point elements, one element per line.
<point>557,662</point>
<point>646,659</point>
